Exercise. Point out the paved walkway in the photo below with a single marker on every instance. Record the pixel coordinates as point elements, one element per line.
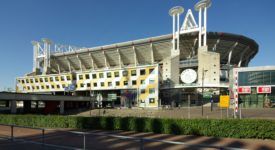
<point>66,139</point>
<point>193,112</point>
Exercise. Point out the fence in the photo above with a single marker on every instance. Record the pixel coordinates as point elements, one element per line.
<point>140,140</point>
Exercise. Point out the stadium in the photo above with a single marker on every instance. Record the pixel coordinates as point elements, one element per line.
<point>175,69</point>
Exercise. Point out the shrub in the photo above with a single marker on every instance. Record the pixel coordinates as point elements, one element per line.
<point>236,128</point>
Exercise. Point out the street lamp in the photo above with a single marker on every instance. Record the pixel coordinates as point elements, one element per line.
<point>203,71</point>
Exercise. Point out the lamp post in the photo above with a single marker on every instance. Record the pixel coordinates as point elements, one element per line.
<point>203,71</point>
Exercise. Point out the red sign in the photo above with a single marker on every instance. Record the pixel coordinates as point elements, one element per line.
<point>264,89</point>
<point>244,90</point>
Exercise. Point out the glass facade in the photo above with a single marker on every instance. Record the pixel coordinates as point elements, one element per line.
<point>254,78</point>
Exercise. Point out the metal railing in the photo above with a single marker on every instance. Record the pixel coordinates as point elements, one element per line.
<point>140,140</point>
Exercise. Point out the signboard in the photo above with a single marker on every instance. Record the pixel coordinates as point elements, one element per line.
<point>224,101</point>
<point>244,90</point>
<point>263,89</point>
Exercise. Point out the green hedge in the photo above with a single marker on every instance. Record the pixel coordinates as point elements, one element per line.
<point>244,128</point>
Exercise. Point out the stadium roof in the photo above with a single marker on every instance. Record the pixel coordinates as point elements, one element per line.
<point>233,49</point>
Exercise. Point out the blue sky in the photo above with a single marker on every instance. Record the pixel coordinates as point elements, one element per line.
<point>91,23</point>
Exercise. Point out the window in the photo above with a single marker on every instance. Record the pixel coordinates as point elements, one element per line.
<point>58,86</point>
<point>87,76</point>
<point>68,78</point>
<point>151,100</point>
<point>52,86</point>
<point>47,87</point>
<point>37,87</point>
<point>152,91</point>
<point>88,85</point>
<point>62,78</point>
<point>116,74</point>
<point>33,88</point>
<point>46,80</point>
<point>134,82</point>
<point>63,86</point>
<point>151,70</point>
<point>27,80</point>
<point>81,85</point>
<point>125,83</point>
<point>80,77</point>
<point>51,79</point>
<point>94,76</point>
<point>102,84</point>
<point>36,80</point>
<point>109,74</point>
<point>101,75</point>
<point>117,83</point>
<point>109,84</point>
<point>142,82</point>
<point>23,81</point>
<point>42,87</point>
<point>125,73</point>
<point>142,72</point>
<point>151,81</point>
<point>133,72</point>
<point>142,91</point>
<point>31,80</point>
<point>56,79</point>
<point>41,79</point>
<point>95,84</point>
<point>29,88</point>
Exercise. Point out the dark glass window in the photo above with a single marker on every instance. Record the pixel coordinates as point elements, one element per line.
<point>256,78</point>
<point>116,74</point>
<point>133,72</point>
<point>109,74</point>
<point>94,76</point>
<point>101,75</point>
<point>142,72</point>
<point>80,77</point>
<point>87,76</point>
<point>151,100</point>
<point>151,70</point>
<point>142,91</point>
<point>125,73</point>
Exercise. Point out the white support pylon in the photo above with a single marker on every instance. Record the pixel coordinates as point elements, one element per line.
<point>175,12</point>
<point>203,5</point>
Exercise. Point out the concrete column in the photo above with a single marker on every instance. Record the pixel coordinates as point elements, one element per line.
<point>27,106</point>
<point>13,107</point>
<point>61,107</point>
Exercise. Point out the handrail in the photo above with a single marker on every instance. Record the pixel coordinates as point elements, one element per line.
<point>84,134</point>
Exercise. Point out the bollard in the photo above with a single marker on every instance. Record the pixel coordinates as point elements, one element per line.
<point>84,141</point>
<point>141,144</point>
<point>12,133</point>
<point>43,137</point>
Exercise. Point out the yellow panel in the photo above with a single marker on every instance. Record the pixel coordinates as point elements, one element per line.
<point>224,101</point>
